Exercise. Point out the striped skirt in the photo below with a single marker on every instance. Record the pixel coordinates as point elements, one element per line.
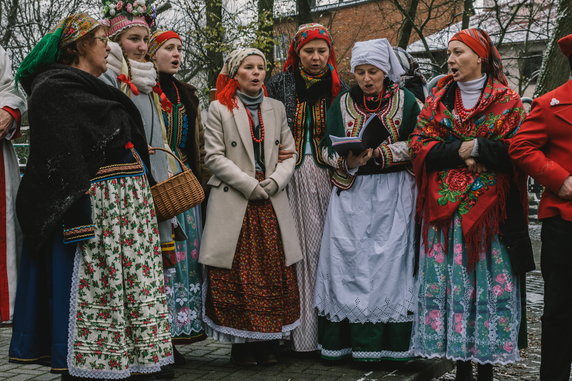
<point>309,195</point>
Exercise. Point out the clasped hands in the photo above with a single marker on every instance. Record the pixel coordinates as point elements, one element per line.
<point>264,190</point>
<point>465,151</point>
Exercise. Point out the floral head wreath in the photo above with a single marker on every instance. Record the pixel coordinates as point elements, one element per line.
<point>121,14</point>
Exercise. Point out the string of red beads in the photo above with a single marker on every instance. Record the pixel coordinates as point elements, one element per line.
<point>251,122</point>
<point>460,109</point>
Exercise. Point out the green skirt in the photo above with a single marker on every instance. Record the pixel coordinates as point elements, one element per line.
<point>364,341</point>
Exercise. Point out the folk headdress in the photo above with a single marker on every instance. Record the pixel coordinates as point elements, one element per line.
<point>47,50</point>
<point>380,54</point>
<point>305,34</point>
<point>226,85</point>
<point>123,14</point>
<point>159,38</point>
<point>480,43</point>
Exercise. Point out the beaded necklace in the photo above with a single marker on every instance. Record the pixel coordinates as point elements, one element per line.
<point>462,112</point>
<point>251,122</point>
<point>379,98</point>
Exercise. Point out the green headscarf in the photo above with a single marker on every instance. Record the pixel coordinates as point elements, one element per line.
<point>47,51</point>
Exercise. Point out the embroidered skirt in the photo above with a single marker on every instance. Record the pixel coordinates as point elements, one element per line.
<point>365,282</point>
<point>257,299</point>
<point>121,323</point>
<point>309,195</point>
<point>183,281</point>
<point>466,315</point>
<point>105,295</point>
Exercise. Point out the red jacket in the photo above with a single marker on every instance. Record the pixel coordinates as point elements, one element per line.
<point>543,148</point>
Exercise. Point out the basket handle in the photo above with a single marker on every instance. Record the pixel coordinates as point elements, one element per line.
<point>183,166</point>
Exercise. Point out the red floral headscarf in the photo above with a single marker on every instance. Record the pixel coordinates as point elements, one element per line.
<point>305,34</point>
<point>480,43</point>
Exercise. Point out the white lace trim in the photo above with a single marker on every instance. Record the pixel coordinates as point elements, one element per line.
<point>93,373</point>
<point>364,354</point>
<point>227,334</point>
<point>356,315</point>
<point>236,336</point>
<point>515,358</point>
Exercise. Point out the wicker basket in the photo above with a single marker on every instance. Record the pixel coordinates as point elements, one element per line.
<point>176,194</point>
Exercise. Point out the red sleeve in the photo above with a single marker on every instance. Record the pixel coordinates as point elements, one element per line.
<point>526,148</point>
<point>17,117</point>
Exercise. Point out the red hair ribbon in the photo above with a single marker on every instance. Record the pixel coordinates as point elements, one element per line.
<point>123,78</point>
<point>166,104</point>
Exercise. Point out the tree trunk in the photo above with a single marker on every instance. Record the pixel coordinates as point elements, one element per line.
<point>555,69</point>
<point>468,11</point>
<point>266,29</point>
<point>12,16</point>
<point>214,24</point>
<point>304,15</point>
<point>408,21</point>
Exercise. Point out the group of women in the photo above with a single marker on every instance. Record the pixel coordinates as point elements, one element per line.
<point>105,291</point>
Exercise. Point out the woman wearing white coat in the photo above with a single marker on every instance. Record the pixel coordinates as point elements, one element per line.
<point>249,243</point>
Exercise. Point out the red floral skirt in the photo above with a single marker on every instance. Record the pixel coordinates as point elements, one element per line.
<point>259,293</point>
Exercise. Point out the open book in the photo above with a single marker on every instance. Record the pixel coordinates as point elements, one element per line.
<point>371,135</point>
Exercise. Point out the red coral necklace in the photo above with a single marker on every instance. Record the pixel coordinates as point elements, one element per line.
<point>251,122</point>
<point>460,109</point>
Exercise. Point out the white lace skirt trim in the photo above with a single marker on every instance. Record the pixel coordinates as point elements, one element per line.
<point>506,361</point>
<point>338,353</point>
<point>358,316</point>
<point>237,336</point>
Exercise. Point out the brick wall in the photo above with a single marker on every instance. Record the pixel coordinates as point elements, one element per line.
<point>374,19</point>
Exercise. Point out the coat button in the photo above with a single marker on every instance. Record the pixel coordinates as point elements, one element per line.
<point>225,189</point>
<point>233,144</point>
<point>277,142</point>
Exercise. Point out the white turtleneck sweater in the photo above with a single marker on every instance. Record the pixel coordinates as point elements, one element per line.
<point>470,93</point>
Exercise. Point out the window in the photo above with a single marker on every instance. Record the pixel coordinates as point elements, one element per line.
<point>281,48</point>
<point>530,65</point>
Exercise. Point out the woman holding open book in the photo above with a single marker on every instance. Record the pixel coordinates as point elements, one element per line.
<point>365,283</point>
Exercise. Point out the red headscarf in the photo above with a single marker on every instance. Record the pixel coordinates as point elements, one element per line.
<point>480,43</point>
<point>305,34</point>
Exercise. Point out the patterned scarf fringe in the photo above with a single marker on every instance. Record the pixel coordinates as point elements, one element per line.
<point>479,237</point>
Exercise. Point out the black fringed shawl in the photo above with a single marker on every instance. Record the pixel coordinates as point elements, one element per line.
<point>76,120</point>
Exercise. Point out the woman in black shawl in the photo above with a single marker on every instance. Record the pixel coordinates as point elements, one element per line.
<point>90,300</point>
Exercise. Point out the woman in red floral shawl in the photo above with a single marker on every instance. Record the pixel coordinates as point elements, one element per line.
<point>472,204</point>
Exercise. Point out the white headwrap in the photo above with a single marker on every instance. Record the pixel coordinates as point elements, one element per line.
<point>380,54</point>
